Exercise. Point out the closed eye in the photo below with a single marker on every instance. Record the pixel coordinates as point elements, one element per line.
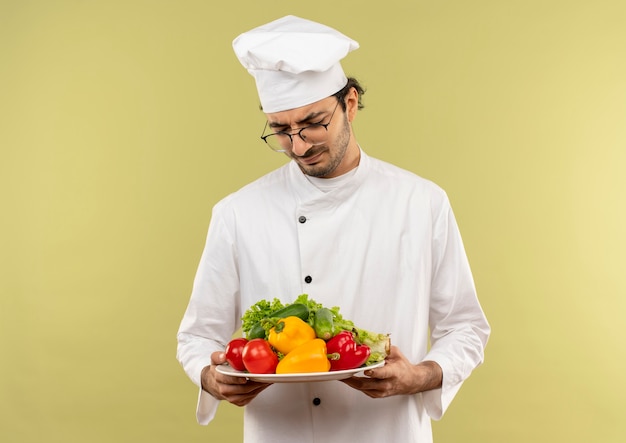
<point>285,129</point>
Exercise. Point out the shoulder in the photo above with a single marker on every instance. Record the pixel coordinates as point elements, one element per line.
<point>273,184</point>
<point>398,179</point>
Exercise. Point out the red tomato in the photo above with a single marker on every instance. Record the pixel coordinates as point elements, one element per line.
<point>233,351</point>
<point>258,357</point>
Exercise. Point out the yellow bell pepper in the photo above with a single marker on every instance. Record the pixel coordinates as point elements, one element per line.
<point>308,357</point>
<point>289,333</point>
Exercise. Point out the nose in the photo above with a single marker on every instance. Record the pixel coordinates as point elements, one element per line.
<point>298,146</point>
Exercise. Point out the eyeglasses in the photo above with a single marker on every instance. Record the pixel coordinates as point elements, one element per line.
<point>315,134</point>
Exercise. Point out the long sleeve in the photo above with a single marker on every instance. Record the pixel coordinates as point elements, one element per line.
<point>459,329</point>
<point>212,314</point>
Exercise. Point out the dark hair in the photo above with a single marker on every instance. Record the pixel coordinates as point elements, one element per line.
<point>341,94</point>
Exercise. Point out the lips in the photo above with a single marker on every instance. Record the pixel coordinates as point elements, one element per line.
<point>312,159</point>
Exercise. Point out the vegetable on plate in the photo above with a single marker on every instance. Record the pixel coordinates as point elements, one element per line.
<point>302,337</point>
<point>289,333</point>
<point>258,357</point>
<point>349,354</point>
<point>308,357</point>
<point>234,352</point>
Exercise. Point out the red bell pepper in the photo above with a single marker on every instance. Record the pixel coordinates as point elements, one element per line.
<point>347,354</point>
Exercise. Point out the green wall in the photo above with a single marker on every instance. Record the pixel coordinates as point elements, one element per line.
<point>123,122</point>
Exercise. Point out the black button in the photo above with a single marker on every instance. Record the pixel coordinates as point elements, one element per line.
<point>308,279</point>
<point>302,219</point>
<point>316,401</point>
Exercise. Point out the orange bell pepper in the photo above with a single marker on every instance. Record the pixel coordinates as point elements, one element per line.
<point>308,357</point>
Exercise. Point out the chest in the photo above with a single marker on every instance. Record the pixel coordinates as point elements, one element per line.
<point>367,248</point>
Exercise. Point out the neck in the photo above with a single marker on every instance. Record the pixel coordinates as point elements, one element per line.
<point>350,160</point>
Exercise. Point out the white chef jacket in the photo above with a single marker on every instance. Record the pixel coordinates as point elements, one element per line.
<point>385,248</point>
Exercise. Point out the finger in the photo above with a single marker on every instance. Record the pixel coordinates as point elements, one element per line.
<point>243,398</point>
<point>394,355</point>
<point>257,386</point>
<point>218,358</point>
<point>360,383</point>
<point>352,382</point>
<point>369,387</point>
<point>394,352</point>
<point>242,389</point>
<point>230,379</point>
<point>379,373</point>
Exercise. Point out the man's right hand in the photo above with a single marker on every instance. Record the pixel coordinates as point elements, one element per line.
<point>237,390</point>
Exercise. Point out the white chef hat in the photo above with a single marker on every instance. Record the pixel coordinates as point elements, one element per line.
<point>294,61</point>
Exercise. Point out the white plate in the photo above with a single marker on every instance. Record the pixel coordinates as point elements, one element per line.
<point>296,378</point>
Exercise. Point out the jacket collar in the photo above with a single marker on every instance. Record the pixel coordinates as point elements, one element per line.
<point>308,194</point>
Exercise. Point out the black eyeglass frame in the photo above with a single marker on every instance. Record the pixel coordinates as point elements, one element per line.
<point>298,133</point>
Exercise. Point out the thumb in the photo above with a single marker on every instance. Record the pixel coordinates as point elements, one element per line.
<point>218,358</point>
<point>394,354</point>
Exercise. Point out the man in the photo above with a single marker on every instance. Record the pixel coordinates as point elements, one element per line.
<point>349,230</point>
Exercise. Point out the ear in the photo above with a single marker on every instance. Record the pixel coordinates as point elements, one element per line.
<point>352,104</point>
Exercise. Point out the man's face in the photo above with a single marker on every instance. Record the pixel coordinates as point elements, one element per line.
<point>328,158</point>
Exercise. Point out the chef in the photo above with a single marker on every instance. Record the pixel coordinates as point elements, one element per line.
<point>349,230</point>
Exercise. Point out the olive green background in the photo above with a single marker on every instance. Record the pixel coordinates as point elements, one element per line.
<point>123,122</point>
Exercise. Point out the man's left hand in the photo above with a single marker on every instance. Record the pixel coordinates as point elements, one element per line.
<point>398,377</point>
